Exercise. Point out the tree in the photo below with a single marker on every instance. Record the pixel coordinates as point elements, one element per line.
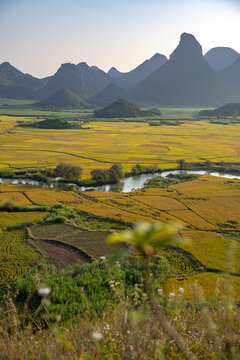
<point>181,163</point>
<point>136,169</point>
<point>208,164</point>
<point>235,113</point>
<point>100,175</point>
<point>118,169</point>
<point>68,172</point>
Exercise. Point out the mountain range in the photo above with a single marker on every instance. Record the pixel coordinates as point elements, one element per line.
<point>187,78</point>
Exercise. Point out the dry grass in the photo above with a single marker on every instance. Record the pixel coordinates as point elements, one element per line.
<point>211,332</point>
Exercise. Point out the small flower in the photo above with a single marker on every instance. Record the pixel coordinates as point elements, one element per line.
<point>172,294</point>
<point>181,290</point>
<point>44,291</point>
<point>106,327</point>
<point>128,332</point>
<point>97,336</point>
<point>103,258</point>
<point>160,291</point>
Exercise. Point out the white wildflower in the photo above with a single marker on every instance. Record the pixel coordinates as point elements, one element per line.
<point>106,327</point>
<point>172,294</point>
<point>160,291</point>
<point>103,258</point>
<point>97,336</point>
<point>44,291</point>
<point>181,290</point>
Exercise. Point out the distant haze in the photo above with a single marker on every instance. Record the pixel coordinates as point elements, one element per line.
<point>38,36</point>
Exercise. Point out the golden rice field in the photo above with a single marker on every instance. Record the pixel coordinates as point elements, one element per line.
<point>205,285</point>
<point>17,198</point>
<point>16,256</point>
<point>7,218</point>
<point>208,207</point>
<point>103,144</point>
<point>214,251</point>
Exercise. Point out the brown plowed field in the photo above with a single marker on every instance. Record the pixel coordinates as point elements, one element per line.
<point>60,255</point>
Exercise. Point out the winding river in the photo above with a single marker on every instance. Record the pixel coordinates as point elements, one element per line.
<point>128,184</point>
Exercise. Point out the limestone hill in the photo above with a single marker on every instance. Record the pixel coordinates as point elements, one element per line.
<point>62,99</point>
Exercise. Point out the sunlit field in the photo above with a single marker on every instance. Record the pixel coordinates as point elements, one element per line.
<point>205,208</point>
<point>108,142</point>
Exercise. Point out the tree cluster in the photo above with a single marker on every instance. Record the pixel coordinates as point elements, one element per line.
<point>112,175</point>
<point>68,172</point>
<point>141,169</point>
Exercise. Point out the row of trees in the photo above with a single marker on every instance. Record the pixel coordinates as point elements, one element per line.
<point>141,169</point>
<point>73,173</point>
<point>102,176</point>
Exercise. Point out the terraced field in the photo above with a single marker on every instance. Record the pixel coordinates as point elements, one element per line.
<point>7,218</point>
<point>93,243</point>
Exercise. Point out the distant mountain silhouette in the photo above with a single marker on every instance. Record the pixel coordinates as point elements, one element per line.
<point>135,76</point>
<point>81,79</point>
<point>94,79</point>
<point>186,79</point>
<point>62,99</point>
<point>17,85</point>
<point>114,73</point>
<point>10,76</point>
<point>231,80</point>
<point>67,76</point>
<point>109,94</point>
<point>220,58</point>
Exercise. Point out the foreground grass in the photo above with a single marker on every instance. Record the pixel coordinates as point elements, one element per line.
<point>129,330</point>
<point>113,309</point>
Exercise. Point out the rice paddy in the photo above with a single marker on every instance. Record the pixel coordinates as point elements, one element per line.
<point>206,207</point>
<point>103,144</point>
<point>16,256</point>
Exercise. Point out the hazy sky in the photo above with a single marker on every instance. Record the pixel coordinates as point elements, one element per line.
<point>37,36</point>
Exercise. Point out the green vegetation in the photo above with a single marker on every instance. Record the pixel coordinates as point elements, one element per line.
<point>119,108</point>
<point>106,176</point>
<point>232,109</point>
<point>68,172</point>
<point>125,109</point>
<point>90,287</point>
<point>41,175</point>
<point>141,169</point>
<point>171,179</point>
<point>52,124</point>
